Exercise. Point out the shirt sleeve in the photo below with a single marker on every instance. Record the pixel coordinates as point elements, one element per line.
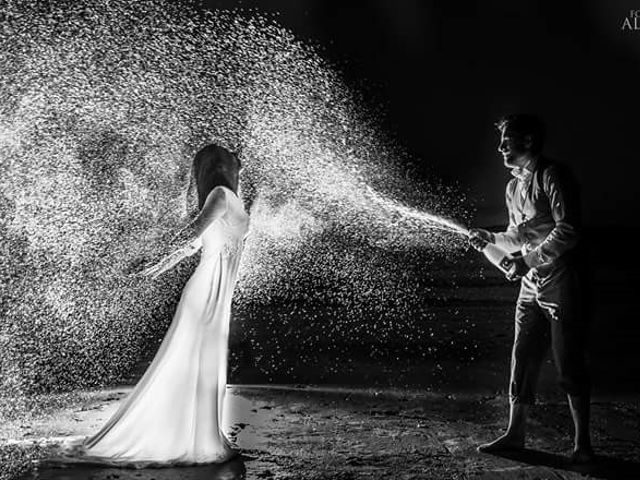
<point>565,208</point>
<point>510,240</point>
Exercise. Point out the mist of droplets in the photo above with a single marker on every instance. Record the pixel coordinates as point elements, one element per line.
<point>102,108</point>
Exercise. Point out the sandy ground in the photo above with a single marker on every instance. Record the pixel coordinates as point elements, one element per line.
<point>404,417</point>
<point>288,432</point>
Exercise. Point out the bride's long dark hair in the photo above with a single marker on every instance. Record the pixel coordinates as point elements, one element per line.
<point>213,166</point>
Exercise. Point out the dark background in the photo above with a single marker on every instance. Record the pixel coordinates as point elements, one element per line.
<point>443,71</point>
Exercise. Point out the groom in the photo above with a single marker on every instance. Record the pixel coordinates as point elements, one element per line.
<point>544,221</point>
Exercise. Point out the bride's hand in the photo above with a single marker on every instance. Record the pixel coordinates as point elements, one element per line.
<point>157,268</point>
<point>141,268</point>
<point>152,271</point>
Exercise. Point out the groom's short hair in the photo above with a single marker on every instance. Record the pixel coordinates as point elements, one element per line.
<point>523,124</point>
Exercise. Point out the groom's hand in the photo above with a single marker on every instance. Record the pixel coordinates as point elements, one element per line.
<point>479,237</point>
<point>517,270</point>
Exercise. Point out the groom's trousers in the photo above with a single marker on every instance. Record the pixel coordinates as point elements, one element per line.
<point>549,312</point>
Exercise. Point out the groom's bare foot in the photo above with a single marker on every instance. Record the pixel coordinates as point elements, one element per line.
<point>582,455</point>
<point>508,441</point>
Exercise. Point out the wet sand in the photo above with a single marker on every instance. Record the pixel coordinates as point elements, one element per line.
<point>341,433</point>
<point>398,415</point>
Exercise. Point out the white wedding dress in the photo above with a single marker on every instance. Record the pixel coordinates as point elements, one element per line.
<point>173,415</point>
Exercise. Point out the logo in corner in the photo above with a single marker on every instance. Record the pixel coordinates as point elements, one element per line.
<point>631,21</point>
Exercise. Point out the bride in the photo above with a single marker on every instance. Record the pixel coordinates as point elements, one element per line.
<point>173,415</point>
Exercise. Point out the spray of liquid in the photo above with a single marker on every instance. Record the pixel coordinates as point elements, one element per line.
<point>102,107</point>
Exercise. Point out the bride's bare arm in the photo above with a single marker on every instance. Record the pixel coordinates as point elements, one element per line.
<point>214,207</point>
<point>187,241</point>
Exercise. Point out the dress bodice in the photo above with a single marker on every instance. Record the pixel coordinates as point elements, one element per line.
<point>226,235</point>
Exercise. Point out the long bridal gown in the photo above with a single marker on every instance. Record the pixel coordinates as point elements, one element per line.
<point>173,415</point>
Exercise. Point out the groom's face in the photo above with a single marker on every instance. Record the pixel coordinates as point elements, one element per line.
<point>514,148</point>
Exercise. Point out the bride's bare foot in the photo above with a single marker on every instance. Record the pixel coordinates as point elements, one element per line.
<point>508,441</point>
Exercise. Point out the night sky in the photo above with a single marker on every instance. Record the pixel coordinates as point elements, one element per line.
<point>444,71</point>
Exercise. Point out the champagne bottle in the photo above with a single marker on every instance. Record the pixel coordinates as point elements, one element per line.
<point>498,257</point>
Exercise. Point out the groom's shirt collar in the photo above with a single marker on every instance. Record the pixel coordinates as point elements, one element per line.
<point>525,172</point>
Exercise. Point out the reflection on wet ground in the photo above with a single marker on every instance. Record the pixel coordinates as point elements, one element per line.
<point>604,467</point>
<point>310,433</point>
<point>231,470</point>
